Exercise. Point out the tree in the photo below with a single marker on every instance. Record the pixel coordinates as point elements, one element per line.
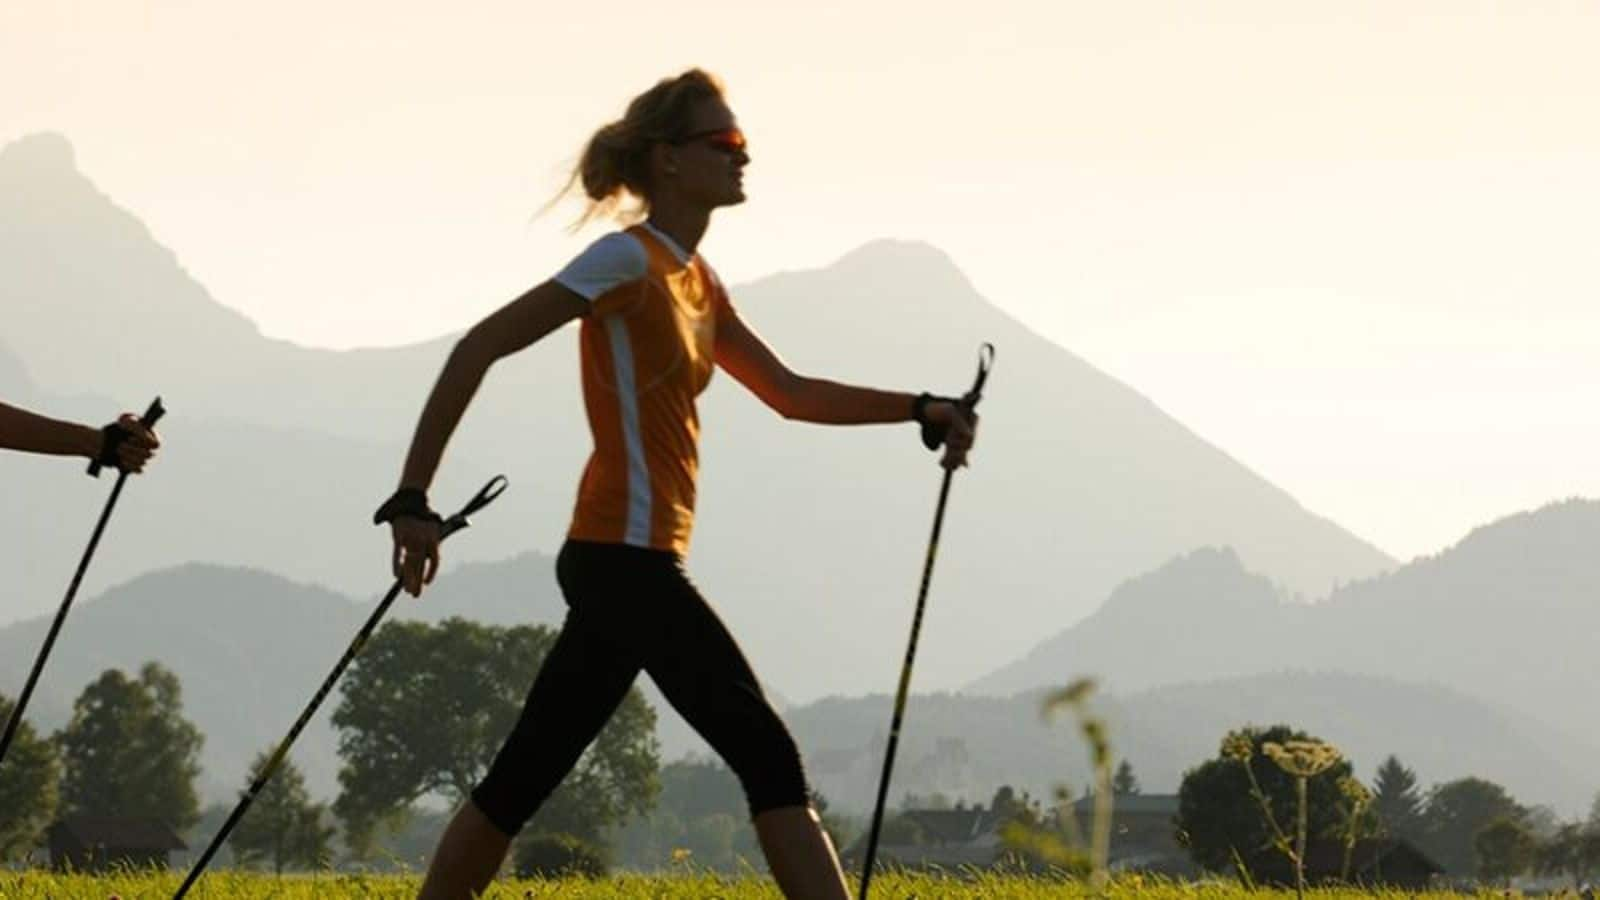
<point>30,788</point>
<point>1397,800</point>
<point>425,708</point>
<point>1035,840</point>
<point>559,856</point>
<point>900,830</point>
<point>1542,821</point>
<point>615,779</point>
<point>712,840</point>
<point>691,788</point>
<point>1124,782</point>
<point>1573,851</point>
<point>1504,848</point>
<point>128,750</point>
<point>1007,806</point>
<point>842,829</point>
<point>410,845</point>
<point>648,842</point>
<point>283,827</point>
<point>1455,813</point>
<point>1223,823</point>
<point>936,800</point>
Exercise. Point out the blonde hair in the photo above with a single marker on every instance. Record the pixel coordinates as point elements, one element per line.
<point>614,170</point>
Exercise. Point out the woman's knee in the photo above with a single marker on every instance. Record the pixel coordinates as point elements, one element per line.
<point>770,769</point>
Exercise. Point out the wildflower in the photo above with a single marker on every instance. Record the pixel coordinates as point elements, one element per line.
<point>1237,746</point>
<point>1302,759</point>
<point>1354,792</point>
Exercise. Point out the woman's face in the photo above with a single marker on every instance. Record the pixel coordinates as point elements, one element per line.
<point>706,165</point>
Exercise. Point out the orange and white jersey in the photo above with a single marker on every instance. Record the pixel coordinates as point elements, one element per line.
<point>646,352</point>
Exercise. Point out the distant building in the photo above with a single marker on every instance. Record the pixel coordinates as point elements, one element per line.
<point>1143,837</point>
<point>99,843</point>
<point>1374,863</point>
<point>1144,834</point>
<point>947,838</point>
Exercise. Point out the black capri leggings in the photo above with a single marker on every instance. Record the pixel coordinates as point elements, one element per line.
<point>630,608</point>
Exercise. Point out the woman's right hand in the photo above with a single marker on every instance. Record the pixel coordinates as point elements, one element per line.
<point>134,444</point>
<point>416,552</point>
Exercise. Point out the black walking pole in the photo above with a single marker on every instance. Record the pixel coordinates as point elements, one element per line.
<point>455,523</point>
<point>968,402</point>
<point>151,416</point>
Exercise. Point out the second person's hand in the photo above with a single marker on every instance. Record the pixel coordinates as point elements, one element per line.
<point>960,430</point>
<point>135,450</point>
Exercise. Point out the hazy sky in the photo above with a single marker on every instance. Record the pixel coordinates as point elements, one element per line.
<point>1353,244</point>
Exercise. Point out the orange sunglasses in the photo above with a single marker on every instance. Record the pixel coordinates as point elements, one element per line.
<point>728,140</point>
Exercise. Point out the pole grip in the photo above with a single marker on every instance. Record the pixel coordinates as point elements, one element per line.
<point>151,416</point>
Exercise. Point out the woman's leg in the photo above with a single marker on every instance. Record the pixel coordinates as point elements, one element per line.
<point>585,675</point>
<point>800,854</point>
<point>469,854</point>
<point>703,674</point>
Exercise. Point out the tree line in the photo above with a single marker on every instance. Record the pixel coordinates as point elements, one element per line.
<point>1471,827</point>
<point>424,708</point>
<point>422,711</point>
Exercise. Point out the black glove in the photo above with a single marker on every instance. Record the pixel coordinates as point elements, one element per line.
<point>406,503</point>
<point>111,438</point>
<point>932,435</point>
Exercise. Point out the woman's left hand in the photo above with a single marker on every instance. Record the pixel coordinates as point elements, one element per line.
<point>960,430</point>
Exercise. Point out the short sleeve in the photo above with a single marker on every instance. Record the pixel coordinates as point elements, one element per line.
<point>614,259</point>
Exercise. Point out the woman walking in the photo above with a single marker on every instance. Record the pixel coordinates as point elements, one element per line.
<point>656,320</point>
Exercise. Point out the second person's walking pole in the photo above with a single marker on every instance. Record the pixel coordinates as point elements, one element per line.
<point>151,416</point>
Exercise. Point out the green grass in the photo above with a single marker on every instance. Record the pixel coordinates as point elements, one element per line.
<point>226,885</point>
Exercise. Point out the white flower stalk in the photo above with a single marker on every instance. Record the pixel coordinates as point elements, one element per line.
<point>1303,760</point>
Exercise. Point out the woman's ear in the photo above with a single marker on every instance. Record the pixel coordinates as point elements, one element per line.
<point>664,158</point>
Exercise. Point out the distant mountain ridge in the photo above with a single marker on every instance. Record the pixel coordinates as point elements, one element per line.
<point>250,648</point>
<point>1508,615</point>
<point>805,537</point>
<point>1210,617</point>
<point>966,745</point>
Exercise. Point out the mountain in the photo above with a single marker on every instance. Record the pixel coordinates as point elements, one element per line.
<point>966,746</point>
<point>806,537</point>
<point>15,385</point>
<point>1210,617</point>
<point>1508,615</point>
<point>250,648</point>
<point>225,492</point>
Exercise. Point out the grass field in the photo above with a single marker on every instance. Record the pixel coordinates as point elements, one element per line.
<point>238,886</point>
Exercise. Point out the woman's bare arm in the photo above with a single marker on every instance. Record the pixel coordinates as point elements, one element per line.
<point>748,359</point>
<point>504,332</point>
<point>511,328</point>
